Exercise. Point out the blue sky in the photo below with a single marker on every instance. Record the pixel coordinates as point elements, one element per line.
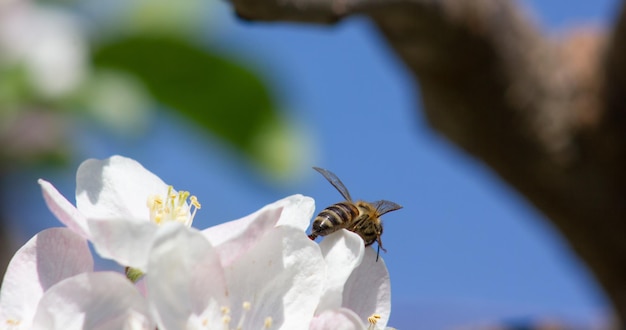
<point>465,249</point>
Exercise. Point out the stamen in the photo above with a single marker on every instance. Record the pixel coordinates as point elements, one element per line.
<point>173,208</point>
<point>373,319</point>
<point>246,308</point>
<point>227,320</point>
<point>194,202</point>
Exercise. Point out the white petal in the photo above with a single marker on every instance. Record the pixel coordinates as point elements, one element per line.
<point>234,238</point>
<point>184,279</point>
<point>126,241</point>
<point>338,319</point>
<point>368,290</point>
<point>281,277</point>
<point>116,187</point>
<point>49,257</point>
<point>103,300</point>
<point>343,251</point>
<point>297,212</point>
<point>63,209</point>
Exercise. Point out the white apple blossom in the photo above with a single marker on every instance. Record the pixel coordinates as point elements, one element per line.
<point>119,207</point>
<point>49,284</point>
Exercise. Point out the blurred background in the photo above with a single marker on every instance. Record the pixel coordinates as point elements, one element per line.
<point>238,112</point>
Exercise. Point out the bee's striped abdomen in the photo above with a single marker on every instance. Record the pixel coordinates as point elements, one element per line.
<point>333,218</point>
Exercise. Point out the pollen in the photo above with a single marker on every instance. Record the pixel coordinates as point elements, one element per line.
<point>268,323</point>
<point>173,207</point>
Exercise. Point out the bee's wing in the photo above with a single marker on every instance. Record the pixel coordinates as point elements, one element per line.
<point>384,206</point>
<point>334,180</point>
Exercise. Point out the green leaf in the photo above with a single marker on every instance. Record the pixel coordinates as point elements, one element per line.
<point>220,95</point>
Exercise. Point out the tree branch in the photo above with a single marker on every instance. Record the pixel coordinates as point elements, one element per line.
<point>549,116</point>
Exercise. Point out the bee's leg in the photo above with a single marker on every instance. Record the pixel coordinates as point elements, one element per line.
<point>380,247</point>
<point>380,243</point>
<point>377,252</point>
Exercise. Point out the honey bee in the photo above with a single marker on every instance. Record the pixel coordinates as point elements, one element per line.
<point>360,217</point>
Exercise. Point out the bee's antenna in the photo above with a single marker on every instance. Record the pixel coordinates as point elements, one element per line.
<point>377,252</point>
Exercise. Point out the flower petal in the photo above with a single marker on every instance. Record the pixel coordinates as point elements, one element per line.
<point>117,187</point>
<point>102,300</point>
<point>126,241</point>
<point>234,238</point>
<point>368,290</point>
<point>343,252</point>
<point>337,319</point>
<point>281,277</point>
<point>63,209</point>
<point>185,279</point>
<point>298,212</point>
<point>49,257</point>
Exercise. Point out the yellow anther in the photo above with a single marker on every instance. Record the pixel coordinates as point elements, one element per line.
<point>173,208</point>
<point>194,202</point>
<point>373,319</point>
<point>229,323</point>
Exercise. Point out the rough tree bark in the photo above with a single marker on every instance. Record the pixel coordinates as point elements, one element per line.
<point>549,116</point>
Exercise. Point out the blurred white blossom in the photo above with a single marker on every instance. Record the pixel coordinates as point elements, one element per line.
<point>48,43</point>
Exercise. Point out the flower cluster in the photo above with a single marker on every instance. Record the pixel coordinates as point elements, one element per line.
<point>257,272</point>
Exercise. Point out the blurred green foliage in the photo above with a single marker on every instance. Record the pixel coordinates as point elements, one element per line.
<point>220,95</point>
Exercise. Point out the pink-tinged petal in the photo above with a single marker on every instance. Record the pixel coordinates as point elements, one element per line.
<point>184,279</point>
<point>343,252</point>
<point>102,300</point>
<point>63,209</point>
<point>337,319</point>
<point>50,256</point>
<point>235,238</point>
<point>368,289</point>
<point>126,241</point>
<point>117,187</point>
<point>281,277</point>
